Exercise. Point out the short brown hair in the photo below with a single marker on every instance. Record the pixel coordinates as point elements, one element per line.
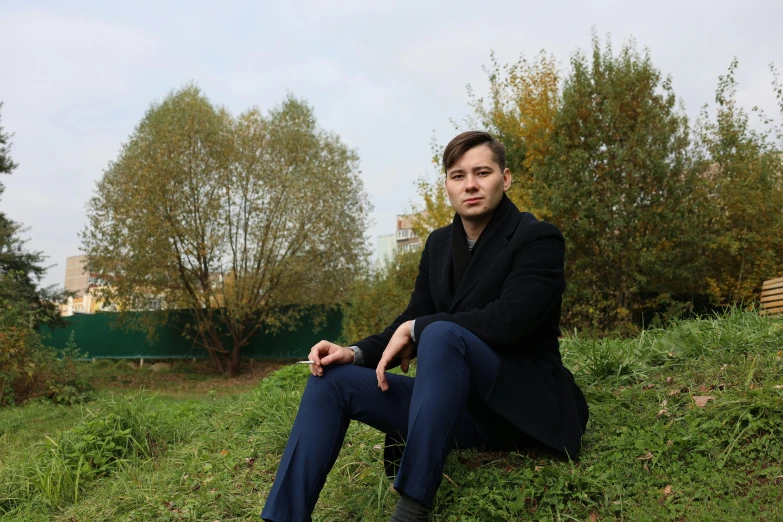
<point>466,141</point>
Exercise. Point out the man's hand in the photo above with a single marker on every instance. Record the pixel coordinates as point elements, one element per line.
<point>400,345</point>
<point>325,353</point>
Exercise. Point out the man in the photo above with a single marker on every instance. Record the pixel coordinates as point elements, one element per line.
<point>483,321</point>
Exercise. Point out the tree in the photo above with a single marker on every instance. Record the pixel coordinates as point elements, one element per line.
<point>437,211</point>
<point>520,113</point>
<point>741,180</point>
<point>524,99</point>
<point>27,367</point>
<point>617,181</point>
<point>7,166</point>
<point>380,296</point>
<point>235,219</point>
<point>656,224</point>
<point>21,270</point>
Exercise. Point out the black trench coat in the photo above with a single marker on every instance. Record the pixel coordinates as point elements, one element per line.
<point>510,297</point>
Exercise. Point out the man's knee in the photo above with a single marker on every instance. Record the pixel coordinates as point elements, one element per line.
<point>441,338</point>
<point>335,384</point>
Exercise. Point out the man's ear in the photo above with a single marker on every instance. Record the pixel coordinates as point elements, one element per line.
<point>506,180</point>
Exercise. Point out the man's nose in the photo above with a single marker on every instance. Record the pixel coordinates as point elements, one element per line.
<point>470,182</point>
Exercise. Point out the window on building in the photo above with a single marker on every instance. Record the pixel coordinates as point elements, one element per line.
<point>405,233</point>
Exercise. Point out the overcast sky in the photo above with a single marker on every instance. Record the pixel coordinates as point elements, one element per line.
<point>77,76</point>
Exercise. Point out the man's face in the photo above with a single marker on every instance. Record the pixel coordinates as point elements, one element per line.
<point>475,184</point>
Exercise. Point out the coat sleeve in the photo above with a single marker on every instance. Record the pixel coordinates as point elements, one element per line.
<point>534,286</point>
<point>421,303</point>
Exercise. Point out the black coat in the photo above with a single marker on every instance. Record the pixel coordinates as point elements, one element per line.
<point>510,297</point>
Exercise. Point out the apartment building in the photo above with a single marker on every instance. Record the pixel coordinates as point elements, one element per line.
<point>402,239</point>
<point>387,243</point>
<point>406,238</point>
<point>78,280</point>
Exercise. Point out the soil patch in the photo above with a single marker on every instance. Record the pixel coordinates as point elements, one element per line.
<point>182,377</point>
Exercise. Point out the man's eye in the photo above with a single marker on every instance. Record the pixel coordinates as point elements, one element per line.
<point>485,173</point>
<point>456,176</point>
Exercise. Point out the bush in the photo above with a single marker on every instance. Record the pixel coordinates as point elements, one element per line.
<point>30,369</point>
<point>378,298</point>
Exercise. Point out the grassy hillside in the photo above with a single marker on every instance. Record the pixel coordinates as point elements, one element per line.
<point>686,423</point>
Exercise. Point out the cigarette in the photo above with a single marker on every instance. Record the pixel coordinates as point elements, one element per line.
<point>305,362</point>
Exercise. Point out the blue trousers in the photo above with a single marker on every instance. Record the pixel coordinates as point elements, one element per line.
<point>440,409</point>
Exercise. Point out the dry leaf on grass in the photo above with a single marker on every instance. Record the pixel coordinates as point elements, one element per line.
<point>702,400</point>
<point>778,386</point>
<point>666,492</point>
<point>449,479</point>
<point>224,452</point>
<point>646,456</point>
<point>593,517</point>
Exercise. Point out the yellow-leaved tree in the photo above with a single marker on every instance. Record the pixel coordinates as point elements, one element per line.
<point>520,112</point>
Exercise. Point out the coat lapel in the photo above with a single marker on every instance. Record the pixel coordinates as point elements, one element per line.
<point>487,249</point>
<point>445,294</point>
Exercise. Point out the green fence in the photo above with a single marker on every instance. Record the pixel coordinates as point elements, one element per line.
<point>99,336</point>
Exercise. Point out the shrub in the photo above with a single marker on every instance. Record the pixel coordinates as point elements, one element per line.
<point>30,369</point>
<point>378,298</point>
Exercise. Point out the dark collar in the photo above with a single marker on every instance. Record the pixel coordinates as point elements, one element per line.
<point>468,267</point>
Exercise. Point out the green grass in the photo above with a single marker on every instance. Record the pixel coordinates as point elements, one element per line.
<point>650,453</point>
<point>22,426</point>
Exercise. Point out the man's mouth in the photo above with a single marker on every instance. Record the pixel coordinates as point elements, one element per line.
<point>472,200</point>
